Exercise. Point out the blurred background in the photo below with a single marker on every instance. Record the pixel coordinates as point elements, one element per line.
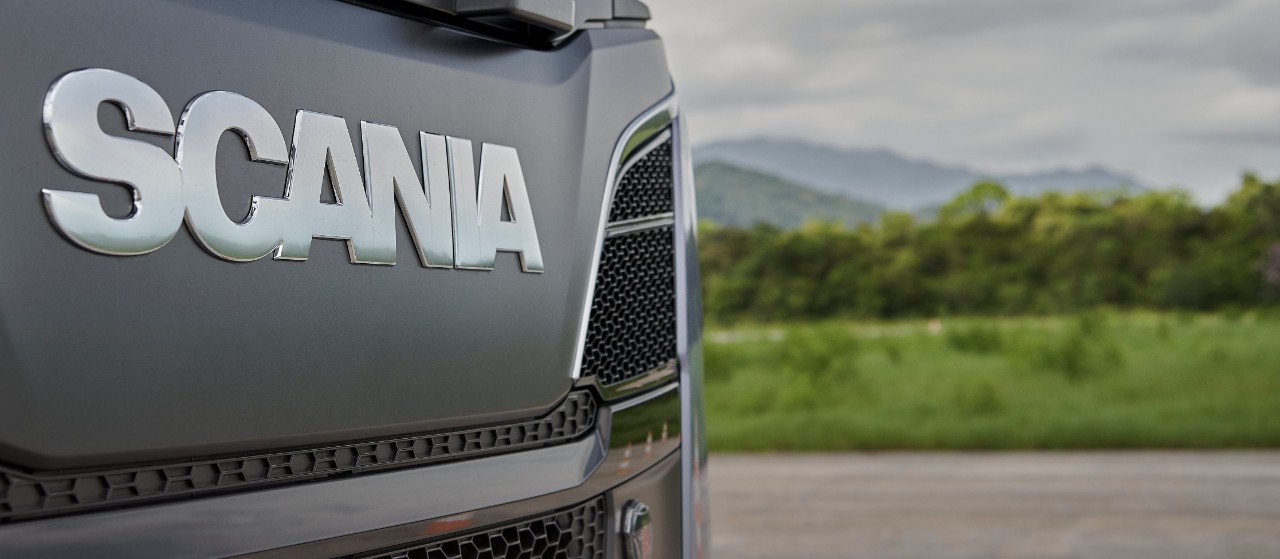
<point>1045,228</point>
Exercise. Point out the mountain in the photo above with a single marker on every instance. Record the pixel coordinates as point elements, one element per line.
<point>889,179</point>
<point>731,195</point>
<point>1070,180</point>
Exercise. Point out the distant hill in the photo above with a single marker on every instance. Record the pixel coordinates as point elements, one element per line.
<point>889,179</point>
<point>731,195</point>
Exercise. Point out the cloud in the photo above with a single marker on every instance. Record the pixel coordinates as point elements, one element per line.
<point>1176,91</point>
<point>1239,36</point>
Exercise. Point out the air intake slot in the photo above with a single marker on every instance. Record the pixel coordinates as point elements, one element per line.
<point>632,328</point>
<point>28,494</point>
<point>577,533</point>
<point>646,189</point>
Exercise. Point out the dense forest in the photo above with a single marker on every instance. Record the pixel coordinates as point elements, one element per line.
<point>988,252</point>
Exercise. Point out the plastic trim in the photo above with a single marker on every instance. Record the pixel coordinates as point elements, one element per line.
<point>693,453</point>
<point>26,495</point>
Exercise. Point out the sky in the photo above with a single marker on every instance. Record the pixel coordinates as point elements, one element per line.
<point>1177,92</point>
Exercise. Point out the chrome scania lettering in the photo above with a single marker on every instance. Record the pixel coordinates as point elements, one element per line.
<point>454,218</point>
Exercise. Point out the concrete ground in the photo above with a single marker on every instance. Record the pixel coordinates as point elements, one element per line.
<point>1135,505</point>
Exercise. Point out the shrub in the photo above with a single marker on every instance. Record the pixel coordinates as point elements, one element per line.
<point>823,353</point>
<point>981,398</point>
<point>981,340</point>
<point>1085,350</point>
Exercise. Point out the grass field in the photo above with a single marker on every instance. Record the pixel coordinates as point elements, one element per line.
<point>1096,380</point>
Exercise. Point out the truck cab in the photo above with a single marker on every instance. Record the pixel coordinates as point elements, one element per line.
<point>313,278</point>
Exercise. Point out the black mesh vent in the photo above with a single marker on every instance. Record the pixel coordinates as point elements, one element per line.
<point>577,533</point>
<point>633,315</point>
<point>25,494</point>
<point>646,189</point>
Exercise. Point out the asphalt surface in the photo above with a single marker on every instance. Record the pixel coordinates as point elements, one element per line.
<point>1166,505</point>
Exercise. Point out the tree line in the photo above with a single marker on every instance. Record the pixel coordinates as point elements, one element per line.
<point>989,252</point>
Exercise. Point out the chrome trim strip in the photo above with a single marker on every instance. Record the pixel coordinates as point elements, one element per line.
<point>640,224</point>
<point>644,382</point>
<point>645,127</point>
<point>647,381</point>
<point>626,222</point>
<point>628,404</point>
<point>648,126</point>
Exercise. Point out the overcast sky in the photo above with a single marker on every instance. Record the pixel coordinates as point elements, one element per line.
<point>1183,92</point>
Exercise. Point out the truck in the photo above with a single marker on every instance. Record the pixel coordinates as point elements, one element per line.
<point>347,279</point>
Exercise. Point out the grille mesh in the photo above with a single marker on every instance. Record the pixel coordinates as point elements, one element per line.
<point>633,315</point>
<point>577,533</point>
<point>632,326</point>
<point>25,495</point>
<point>646,188</point>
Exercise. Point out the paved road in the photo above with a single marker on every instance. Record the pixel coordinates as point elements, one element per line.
<point>1166,505</point>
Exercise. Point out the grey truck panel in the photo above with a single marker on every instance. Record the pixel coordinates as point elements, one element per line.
<point>176,353</point>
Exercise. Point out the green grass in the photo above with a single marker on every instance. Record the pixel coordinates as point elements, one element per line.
<point>1097,380</point>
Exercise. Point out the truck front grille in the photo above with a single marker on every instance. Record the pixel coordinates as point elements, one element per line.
<point>577,533</point>
<point>633,316</point>
<point>632,326</point>
<point>646,189</point>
